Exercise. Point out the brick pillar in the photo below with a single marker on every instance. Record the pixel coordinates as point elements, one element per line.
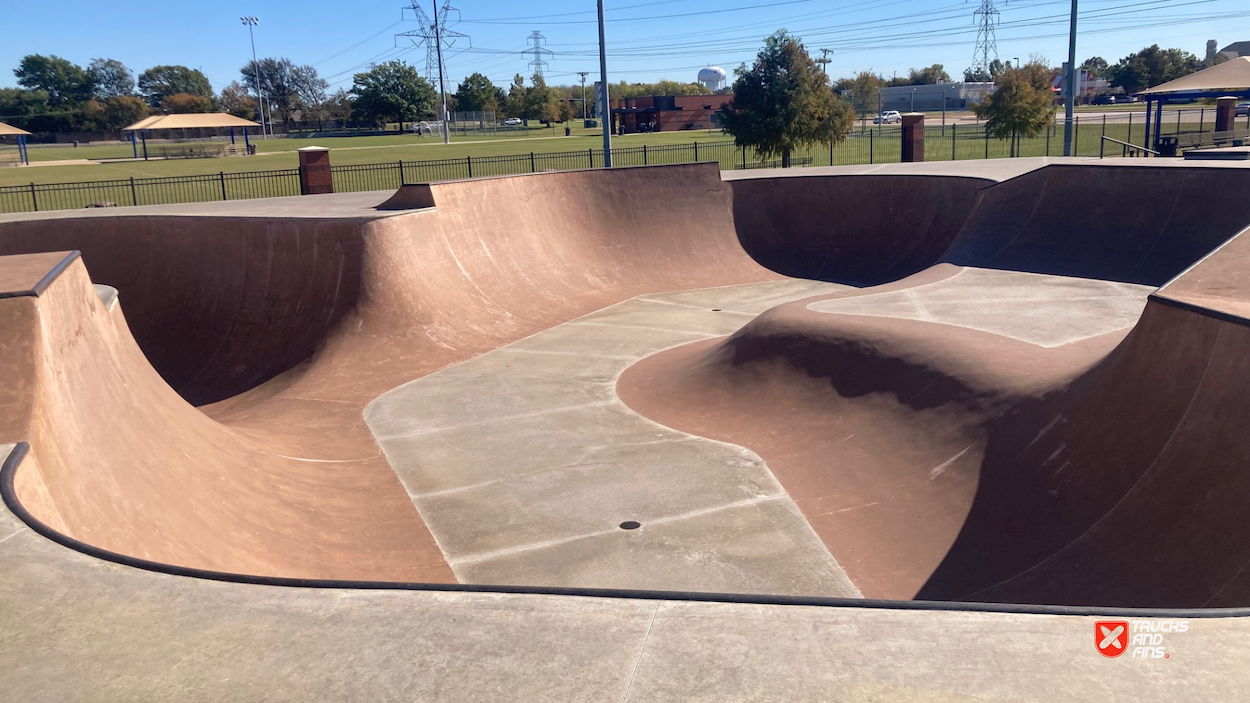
<point>913,137</point>
<point>1224,112</point>
<point>315,176</point>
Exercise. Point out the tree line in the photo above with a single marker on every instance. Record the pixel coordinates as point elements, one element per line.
<point>57,95</point>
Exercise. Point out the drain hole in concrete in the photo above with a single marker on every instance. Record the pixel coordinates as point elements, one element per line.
<point>630,525</point>
<point>715,309</point>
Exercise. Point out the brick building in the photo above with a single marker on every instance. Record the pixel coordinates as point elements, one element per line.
<point>666,113</point>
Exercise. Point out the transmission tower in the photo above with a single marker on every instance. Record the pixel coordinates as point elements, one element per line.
<point>986,50</point>
<point>434,36</point>
<point>538,49</point>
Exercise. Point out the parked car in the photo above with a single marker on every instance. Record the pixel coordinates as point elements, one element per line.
<point>512,121</point>
<point>1242,109</point>
<point>888,117</point>
<point>1105,99</point>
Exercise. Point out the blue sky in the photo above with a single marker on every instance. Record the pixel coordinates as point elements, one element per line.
<point>647,39</point>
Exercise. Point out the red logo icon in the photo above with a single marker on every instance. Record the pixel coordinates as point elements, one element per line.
<point>1111,637</point>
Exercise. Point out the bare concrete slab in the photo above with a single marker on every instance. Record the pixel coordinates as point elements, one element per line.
<point>525,464</point>
<point>1048,311</point>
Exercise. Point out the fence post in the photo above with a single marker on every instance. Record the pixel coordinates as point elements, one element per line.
<point>644,154</point>
<point>1048,129</point>
<point>34,199</point>
<point>1102,143</point>
<point>1202,119</point>
<point>953,126</point>
<point>590,156</point>
<point>870,155</point>
<point>469,160</point>
<point>134,196</point>
<point>532,169</point>
<point>696,152</point>
<point>987,141</point>
<point>221,178</point>
<point>744,157</point>
<point>830,152</point>
<point>401,173</point>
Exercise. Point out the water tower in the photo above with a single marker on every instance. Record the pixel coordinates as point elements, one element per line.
<point>712,77</point>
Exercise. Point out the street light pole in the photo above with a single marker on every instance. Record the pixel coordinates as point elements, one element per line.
<point>442,84</point>
<point>605,112</point>
<point>260,99</point>
<point>583,74</point>
<point>1069,81</point>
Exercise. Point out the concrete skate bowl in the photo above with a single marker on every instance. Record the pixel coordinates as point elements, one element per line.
<point>969,410</point>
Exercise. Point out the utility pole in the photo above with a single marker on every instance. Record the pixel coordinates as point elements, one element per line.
<point>824,60</point>
<point>1069,83</point>
<point>606,111</point>
<point>442,83</point>
<point>260,99</point>
<point>583,74</point>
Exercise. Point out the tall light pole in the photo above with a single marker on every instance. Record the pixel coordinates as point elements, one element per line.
<point>583,74</point>
<point>605,112</point>
<point>1069,81</point>
<point>442,84</point>
<point>260,99</point>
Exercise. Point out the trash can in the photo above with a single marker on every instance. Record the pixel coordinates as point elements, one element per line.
<point>251,150</point>
<point>590,123</point>
<point>1166,146</point>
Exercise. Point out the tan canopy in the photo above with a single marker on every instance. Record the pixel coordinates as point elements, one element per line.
<point>191,121</point>
<point>1233,74</point>
<point>8,130</point>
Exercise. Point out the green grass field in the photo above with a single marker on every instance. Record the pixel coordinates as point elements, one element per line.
<point>280,153</point>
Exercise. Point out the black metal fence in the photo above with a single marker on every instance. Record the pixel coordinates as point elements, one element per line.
<point>382,176</point>
<point>866,144</point>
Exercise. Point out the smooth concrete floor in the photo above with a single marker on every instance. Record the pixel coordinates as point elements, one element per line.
<point>1048,311</point>
<point>524,463</point>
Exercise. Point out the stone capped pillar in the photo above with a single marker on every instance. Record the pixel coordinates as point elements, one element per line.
<point>315,176</point>
<point>1225,111</point>
<point>913,137</point>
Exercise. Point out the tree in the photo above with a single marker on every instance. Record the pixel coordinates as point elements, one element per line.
<point>783,102</point>
<point>111,79</point>
<point>183,103</point>
<point>238,101</point>
<point>1096,65</point>
<point>338,106</point>
<point>310,88</point>
<point>477,93</point>
<point>862,91</point>
<point>66,84</point>
<point>515,105</point>
<point>392,91</point>
<point>541,102</point>
<point>1150,67</point>
<point>160,82</point>
<point>123,111</point>
<point>1022,104</point>
<point>930,75</point>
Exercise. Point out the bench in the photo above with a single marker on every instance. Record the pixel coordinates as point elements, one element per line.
<point>198,151</point>
<point>10,157</point>
<point>794,161</point>
<point>1233,137</point>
